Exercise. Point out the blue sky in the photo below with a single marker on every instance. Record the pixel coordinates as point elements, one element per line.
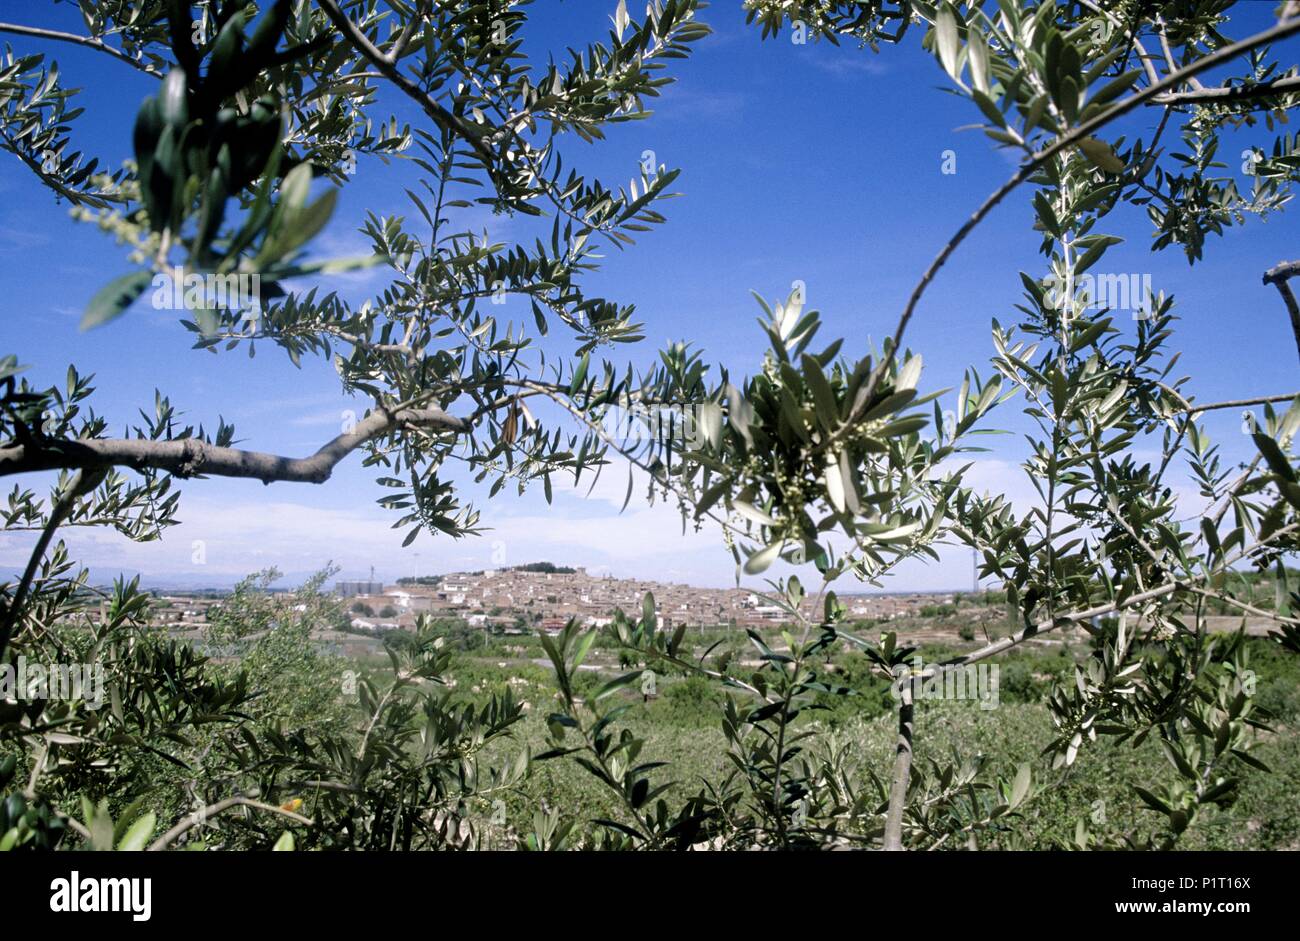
<point>803,163</point>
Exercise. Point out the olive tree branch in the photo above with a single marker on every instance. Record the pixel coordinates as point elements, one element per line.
<point>188,456</point>
<point>1232,490</point>
<point>88,41</point>
<point>1074,617</point>
<point>77,198</point>
<point>388,66</point>
<point>199,816</point>
<point>1278,276</point>
<point>1163,34</point>
<point>1081,131</point>
<point>1194,407</point>
<point>1229,93</point>
<point>893,839</point>
<point>1143,56</point>
<point>85,481</point>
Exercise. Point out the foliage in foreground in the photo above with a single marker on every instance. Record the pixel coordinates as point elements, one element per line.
<point>831,459</point>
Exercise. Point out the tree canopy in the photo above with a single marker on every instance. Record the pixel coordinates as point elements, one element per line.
<point>829,457</point>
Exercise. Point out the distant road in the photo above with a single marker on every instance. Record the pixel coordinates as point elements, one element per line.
<point>543,662</point>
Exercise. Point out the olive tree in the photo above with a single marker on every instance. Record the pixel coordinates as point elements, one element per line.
<point>812,456</point>
<point>832,460</point>
<point>254,101</point>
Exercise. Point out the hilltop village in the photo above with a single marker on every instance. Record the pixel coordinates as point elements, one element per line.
<point>545,597</point>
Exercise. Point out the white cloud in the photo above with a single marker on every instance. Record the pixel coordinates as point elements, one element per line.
<point>238,536</point>
<point>235,538</point>
<point>850,63</point>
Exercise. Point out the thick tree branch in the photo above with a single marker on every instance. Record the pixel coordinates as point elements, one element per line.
<point>1229,93</point>
<point>902,775</point>
<point>189,457</point>
<point>1278,276</point>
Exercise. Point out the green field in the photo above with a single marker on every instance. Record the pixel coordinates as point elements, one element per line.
<point>680,726</point>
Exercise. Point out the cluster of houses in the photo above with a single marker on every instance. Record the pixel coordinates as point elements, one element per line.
<point>542,598</point>
<point>525,600</point>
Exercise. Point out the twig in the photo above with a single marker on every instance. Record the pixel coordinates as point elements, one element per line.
<point>30,791</point>
<point>1152,75</point>
<point>1280,31</point>
<point>1169,53</point>
<point>1243,606</point>
<point>84,481</point>
<point>97,44</point>
<point>1064,620</point>
<point>1193,407</point>
<point>199,816</point>
<point>1232,490</point>
<point>1076,617</point>
<point>77,198</point>
<point>440,115</point>
<point>76,825</point>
